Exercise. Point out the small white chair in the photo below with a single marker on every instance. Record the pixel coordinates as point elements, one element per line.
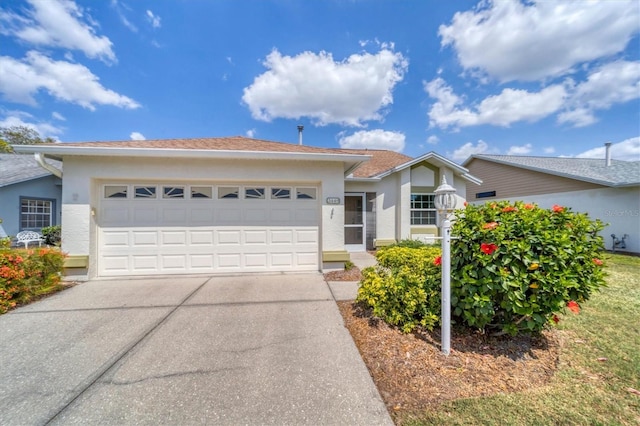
<point>27,237</point>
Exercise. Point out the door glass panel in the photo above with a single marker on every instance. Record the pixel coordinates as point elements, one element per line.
<point>353,235</point>
<point>353,210</point>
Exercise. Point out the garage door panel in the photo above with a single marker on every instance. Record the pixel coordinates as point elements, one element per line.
<point>145,216</point>
<point>201,262</point>
<point>174,238</point>
<point>174,262</point>
<point>115,216</point>
<point>144,238</point>
<point>201,238</point>
<point>173,216</point>
<point>229,237</point>
<point>206,235</point>
<point>116,239</point>
<point>255,237</point>
<point>230,260</point>
<point>144,263</point>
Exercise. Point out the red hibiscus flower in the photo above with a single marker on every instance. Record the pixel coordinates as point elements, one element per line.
<point>573,307</point>
<point>555,319</point>
<point>437,261</point>
<point>488,248</point>
<point>557,209</point>
<point>490,225</point>
<point>597,261</point>
<point>509,209</point>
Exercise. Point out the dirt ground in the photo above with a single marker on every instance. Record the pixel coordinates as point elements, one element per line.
<point>412,374</point>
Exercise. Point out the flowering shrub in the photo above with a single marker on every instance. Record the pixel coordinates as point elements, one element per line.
<point>404,287</point>
<point>514,265</point>
<point>26,274</point>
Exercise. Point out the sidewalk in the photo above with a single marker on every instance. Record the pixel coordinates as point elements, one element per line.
<point>347,290</point>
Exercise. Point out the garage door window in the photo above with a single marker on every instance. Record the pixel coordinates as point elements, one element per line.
<point>201,192</point>
<point>254,193</point>
<point>115,191</point>
<point>225,192</point>
<point>281,193</point>
<point>145,192</point>
<point>173,192</point>
<point>306,194</point>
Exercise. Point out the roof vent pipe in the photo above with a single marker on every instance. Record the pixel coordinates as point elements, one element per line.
<point>607,155</point>
<point>300,129</point>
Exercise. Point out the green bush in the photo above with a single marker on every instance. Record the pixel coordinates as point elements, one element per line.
<point>409,243</point>
<point>514,265</point>
<point>27,274</point>
<point>404,287</point>
<point>52,234</point>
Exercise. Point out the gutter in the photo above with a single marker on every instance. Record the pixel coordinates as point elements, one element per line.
<point>40,159</point>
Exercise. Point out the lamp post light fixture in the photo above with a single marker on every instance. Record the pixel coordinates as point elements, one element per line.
<point>445,201</point>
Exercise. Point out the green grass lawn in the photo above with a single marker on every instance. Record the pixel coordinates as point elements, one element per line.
<point>599,362</point>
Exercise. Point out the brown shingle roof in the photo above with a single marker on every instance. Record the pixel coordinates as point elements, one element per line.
<point>380,162</point>
<point>232,143</point>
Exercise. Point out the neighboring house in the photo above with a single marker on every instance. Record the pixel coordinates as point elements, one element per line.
<point>606,189</point>
<point>226,205</point>
<point>30,196</point>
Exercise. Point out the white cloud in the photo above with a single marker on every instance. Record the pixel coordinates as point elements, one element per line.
<point>21,118</point>
<point>137,136</point>
<point>508,107</point>
<point>251,133</point>
<point>628,149</point>
<point>121,14</point>
<point>433,140</point>
<point>468,149</point>
<point>58,23</point>
<point>374,139</point>
<point>312,85</point>
<point>520,150</point>
<point>549,150</point>
<point>612,83</point>
<point>20,80</point>
<point>58,116</point>
<point>511,40</point>
<point>153,19</point>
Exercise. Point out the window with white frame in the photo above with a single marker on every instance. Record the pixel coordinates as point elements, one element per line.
<point>36,213</point>
<point>423,209</point>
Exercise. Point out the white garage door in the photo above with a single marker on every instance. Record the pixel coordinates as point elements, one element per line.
<point>147,229</point>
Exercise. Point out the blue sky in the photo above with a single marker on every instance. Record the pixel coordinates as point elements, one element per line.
<point>507,77</point>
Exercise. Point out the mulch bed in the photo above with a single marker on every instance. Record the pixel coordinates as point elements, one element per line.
<point>412,374</point>
<point>352,274</point>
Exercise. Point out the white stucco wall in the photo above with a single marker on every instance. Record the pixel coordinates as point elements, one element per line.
<point>619,207</point>
<point>83,175</point>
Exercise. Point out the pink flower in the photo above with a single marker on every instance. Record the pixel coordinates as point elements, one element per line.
<point>509,209</point>
<point>597,261</point>
<point>557,209</point>
<point>529,206</point>
<point>490,225</point>
<point>488,248</point>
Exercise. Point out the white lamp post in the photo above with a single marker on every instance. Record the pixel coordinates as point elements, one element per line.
<point>445,201</point>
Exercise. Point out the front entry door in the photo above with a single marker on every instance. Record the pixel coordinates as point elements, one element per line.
<point>354,220</point>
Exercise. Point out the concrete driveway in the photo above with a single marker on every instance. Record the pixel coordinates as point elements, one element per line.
<point>268,349</point>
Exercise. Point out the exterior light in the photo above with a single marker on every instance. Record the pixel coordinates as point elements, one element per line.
<point>445,201</point>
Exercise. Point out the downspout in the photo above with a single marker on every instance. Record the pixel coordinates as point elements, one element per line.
<point>40,159</point>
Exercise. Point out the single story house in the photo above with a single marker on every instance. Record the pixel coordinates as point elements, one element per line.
<point>234,204</point>
<point>30,196</point>
<point>606,189</point>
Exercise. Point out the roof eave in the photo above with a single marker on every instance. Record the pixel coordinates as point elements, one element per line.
<point>462,171</point>
<point>62,151</point>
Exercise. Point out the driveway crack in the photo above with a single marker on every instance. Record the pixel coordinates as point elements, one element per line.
<point>101,372</point>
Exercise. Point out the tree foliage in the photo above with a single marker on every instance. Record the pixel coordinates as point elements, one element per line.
<point>20,135</point>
